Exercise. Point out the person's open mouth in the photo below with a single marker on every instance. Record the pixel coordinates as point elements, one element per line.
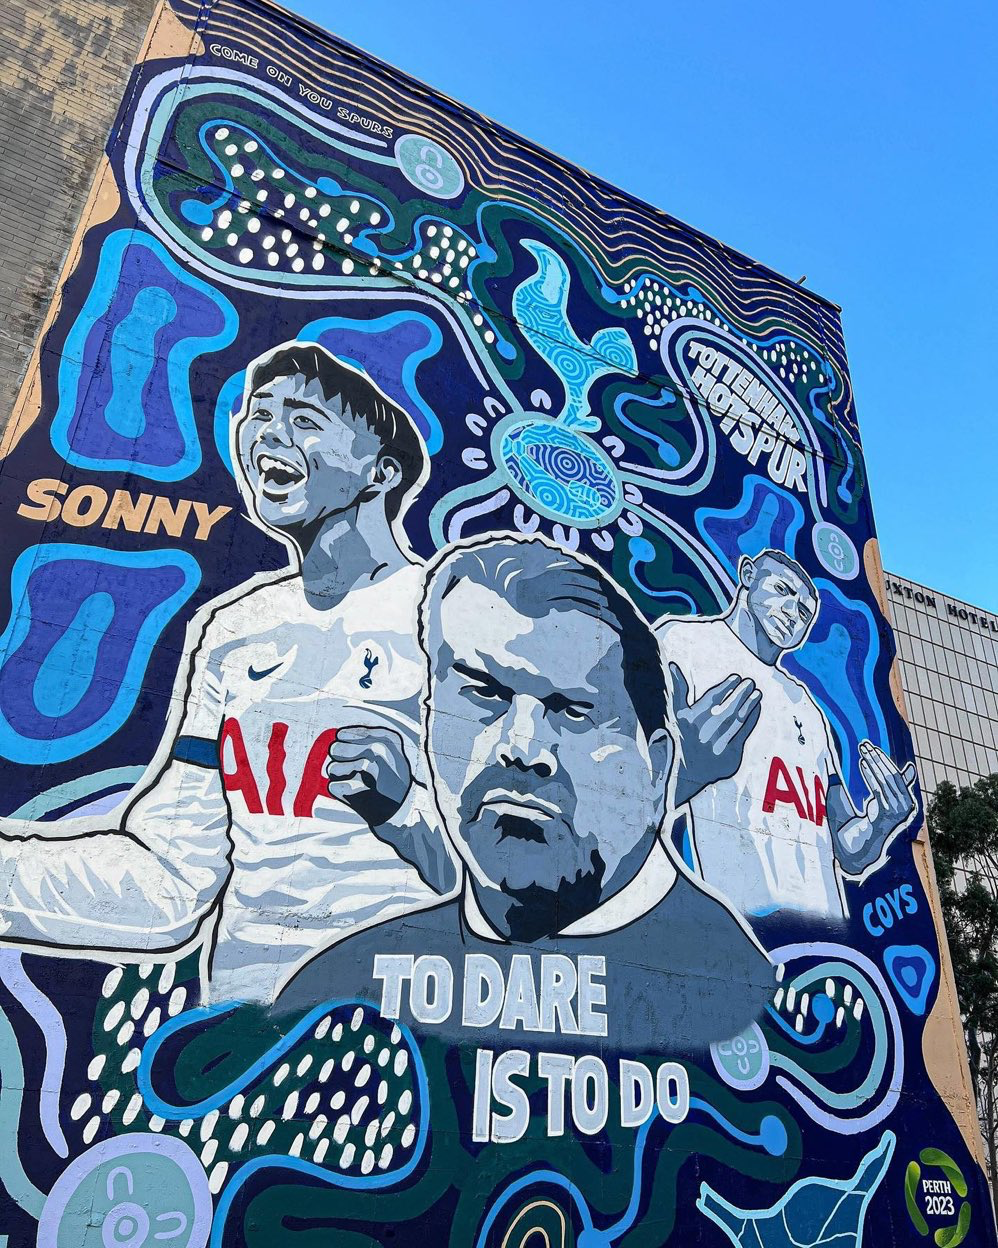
<point>278,477</point>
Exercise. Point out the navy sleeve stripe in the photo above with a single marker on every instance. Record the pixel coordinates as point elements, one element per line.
<point>197,750</point>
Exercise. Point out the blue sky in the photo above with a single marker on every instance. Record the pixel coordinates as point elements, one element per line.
<point>852,142</point>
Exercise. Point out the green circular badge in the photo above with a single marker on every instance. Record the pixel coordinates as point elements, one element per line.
<point>743,1062</point>
<point>935,1198</point>
<point>835,551</point>
<point>428,166</point>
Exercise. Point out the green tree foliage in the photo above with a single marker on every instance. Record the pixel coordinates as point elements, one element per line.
<point>964,829</point>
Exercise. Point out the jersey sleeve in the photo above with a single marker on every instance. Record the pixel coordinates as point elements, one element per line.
<point>199,695</point>
<point>148,884</point>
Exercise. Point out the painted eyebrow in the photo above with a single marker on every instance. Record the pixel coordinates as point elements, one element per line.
<point>562,701</point>
<point>798,592</point>
<point>305,403</point>
<point>296,403</point>
<point>476,673</point>
<point>555,701</point>
<point>479,674</point>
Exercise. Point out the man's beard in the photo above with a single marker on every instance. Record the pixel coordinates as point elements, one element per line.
<point>533,908</point>
<point>536,912</point>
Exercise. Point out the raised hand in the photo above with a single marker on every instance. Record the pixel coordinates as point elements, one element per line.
<point>860,839</point>
<point>369,771</point>
<point>713,730</point>
<point>892,798</point>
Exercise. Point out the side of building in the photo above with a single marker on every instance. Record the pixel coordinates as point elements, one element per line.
<point>358,883</point>
<point>949,668</point>
<point>63,69</point>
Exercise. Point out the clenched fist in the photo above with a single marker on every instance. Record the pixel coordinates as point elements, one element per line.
<point>368,770</point>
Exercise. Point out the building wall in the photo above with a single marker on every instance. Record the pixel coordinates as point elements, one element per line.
<point>364,878</point>
<point>949,667</point>
<point>63,69</point>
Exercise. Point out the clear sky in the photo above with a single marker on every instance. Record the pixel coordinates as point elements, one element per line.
<point>852,142</point>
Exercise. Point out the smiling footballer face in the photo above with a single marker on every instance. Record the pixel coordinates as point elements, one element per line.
<point>304,454</point>
<point>781,599</point>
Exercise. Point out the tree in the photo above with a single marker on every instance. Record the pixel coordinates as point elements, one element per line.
<point>964,828</point>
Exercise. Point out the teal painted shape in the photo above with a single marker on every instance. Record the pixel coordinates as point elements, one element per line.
<point>540,305</point>
<point>813,1213</point>
<point>132,1191</point>
<point>550,461</point>
<point>913,972</point>
<point>125,397</point>
<point>561,473</point>
<point>76,792</point>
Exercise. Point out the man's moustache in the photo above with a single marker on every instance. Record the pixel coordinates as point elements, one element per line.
<point>497,783</point>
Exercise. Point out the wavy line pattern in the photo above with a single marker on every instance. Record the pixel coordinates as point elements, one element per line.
<point>612,228</point>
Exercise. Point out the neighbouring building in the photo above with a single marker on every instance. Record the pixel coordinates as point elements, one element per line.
<point>949,669</point>
<point>64,66</point>
<point>389,849</point>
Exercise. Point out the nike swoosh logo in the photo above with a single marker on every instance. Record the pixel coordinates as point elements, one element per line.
<point>255,675</point>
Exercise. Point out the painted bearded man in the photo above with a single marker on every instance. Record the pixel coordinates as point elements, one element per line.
<point>550,744</point>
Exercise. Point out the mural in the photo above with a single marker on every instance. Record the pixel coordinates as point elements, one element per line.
<point>452,782</point>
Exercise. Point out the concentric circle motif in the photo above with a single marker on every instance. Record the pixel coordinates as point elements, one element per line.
<point>743,1062</point>
<point>134,1191</point>
<point>835,550</point>
<point>559,473</point>
<point>428,166</point>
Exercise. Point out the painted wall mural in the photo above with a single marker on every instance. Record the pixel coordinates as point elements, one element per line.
<point>452,783</point>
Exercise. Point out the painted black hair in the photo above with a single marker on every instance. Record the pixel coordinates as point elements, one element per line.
<point>359,396</point>
<point>537,579</point>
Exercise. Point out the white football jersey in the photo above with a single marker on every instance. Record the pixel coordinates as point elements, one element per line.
<point>761,837</point>
<point>233,826</point>
<point>273,679</point>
